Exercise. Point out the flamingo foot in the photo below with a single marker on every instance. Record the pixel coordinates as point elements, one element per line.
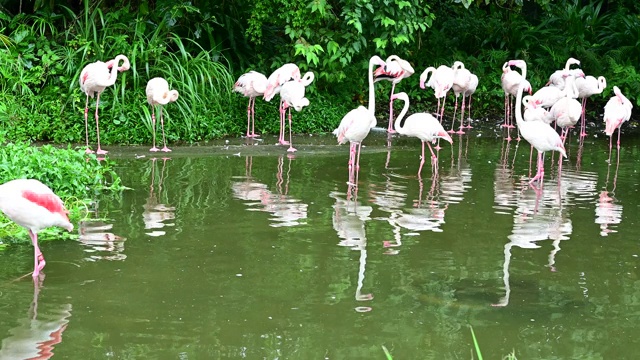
<point>101,152</point>
<point>283,142</point>
<point>504,125</point>
<point>89,151</point>
<point>391,131</point>
<point>437,147</point>
<point>469,127</point>
<point>253,135</point>
<point>460,131</point>
<point>583,134</point>
<point>154,149</point>
<point>291,149</point>
<point>511,126</point>
<point>508,138</point>
<point>450,131</point>
<point>165,149</point>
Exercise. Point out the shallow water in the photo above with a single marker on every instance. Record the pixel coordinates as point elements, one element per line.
<point>240,251</point>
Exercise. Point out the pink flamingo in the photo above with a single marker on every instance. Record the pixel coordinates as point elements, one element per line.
<point>158,93</point>
<point>461,83</point>
<point>616,111</point>
<point>566,111</point>
<point>588,86</point>
<point>357,123</point>
<point>542,136</point>
<point>510,82</point>
<point>283,74</point>
<point>292,95</point>
<point>423,126</point>
<point>557,79</point>
<point>441,81</point>
<point>251,85</point>
<point>394,70</point>
<point>473,85</point>
<point>94,78</point>
<point>32,205</point>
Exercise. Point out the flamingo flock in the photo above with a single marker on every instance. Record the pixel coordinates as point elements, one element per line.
<point>34,206</point>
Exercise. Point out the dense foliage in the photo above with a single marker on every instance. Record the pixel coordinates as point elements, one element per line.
<point>68,172</point>
<point>201,47</point>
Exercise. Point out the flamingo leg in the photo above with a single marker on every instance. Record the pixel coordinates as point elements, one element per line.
<point>460,131</point>
<point>352,152</point>
<point>434,158</point>
<point>291,148</point>
<point>357,165</point>
<point>249,116</point>
<point>164,139</point>
<point>453,121</point>
<point>583,122</point>
<point>283,115</point>
<point>506,110</point>
<point>38,259</point>
<point>421,160</point>
<point>470,117</point>
<point>619,130</point>
<point>390,128</point>
<point>99,151</point>
<point>153,127</point>
<point>253,118</point>
<point>86,124</point>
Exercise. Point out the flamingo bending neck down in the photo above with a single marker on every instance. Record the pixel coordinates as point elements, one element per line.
<point>94,78</point>
<point>158,93</point>
<point>32,205</point>
<point>356,124</point>
<point>251,85</point>
<point>423,126</point>
<point>394,70</point>
<point>542,136</point>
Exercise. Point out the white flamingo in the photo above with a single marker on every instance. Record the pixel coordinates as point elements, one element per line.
<point>588,86</point>
<point>283,74</point>
<point>292,96</point>
<point>616,111</point>
<point>251,85</point>
<point>510,81</point>
<point>94,78</point>
<point>441,81</point>
<point>461,83</point>
<point>357,123</point>
<point>423,126</point>
<point>557,79</point>
<point>158,93</point>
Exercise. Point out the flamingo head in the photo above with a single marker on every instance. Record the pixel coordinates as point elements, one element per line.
<point>517,63</point>
<point>506,68</point>
<point>445,136</point>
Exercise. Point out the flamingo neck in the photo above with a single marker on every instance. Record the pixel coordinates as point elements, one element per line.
<point>396,124</point>
<point>519,119</point>
<point>372,95</point>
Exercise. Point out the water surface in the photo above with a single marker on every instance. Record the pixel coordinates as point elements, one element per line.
<point>244,251</point>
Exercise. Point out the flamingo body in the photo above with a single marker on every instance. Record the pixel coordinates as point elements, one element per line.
<point>286,72</point>
<point>94,78</point>
<point>34,206</point>
<point>394,70</point>
<point>158,93</point>
<point>292,94</point>
<point>616,111</point>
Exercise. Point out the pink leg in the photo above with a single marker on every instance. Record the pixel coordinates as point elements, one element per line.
<point>506,110</point>
<point>470,117</point>
<point>583,123</point>
<point>283,114</point>
<point>38,262</point>
<point>164,140</point>
<point>444,100</point>
<point>249,117</point>
<point>434,158</point>
<point>619,129</point>
<point>153,127</point>
<point>390,128</point>
<point>453,121</point>
<point>86,125</point>
<point>291,148</point>
<point>99,151</point>
<point>253,118</point>
<point>460,131</point>
<point>357,165</point>
<point>421,160</point>
<point>352,149</point>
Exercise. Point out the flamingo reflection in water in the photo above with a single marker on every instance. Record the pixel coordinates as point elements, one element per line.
<point>390,196</point>
<point>100,242</point>
<point>286,210</point>
<point>349,219</point>
<point>608,211</point>
<point>156,211</point>
<point>36,335</point>
<point>539,217</point>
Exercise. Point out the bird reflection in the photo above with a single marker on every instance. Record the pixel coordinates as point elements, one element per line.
<point>608,212</point>
<point>38,333</point>
<point>349,219</point>
<point>540,215</point>
<point>155,211</point>
<point>286,210</point>
<point>390,196</point>
<point>100,242</point>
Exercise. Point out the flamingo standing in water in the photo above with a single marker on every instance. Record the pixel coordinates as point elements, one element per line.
<point>510,82</point>
<point>539,134</point>
<point>251,85</point>
<point>616,111</point>
<point>158,93</point>
<point>461,83</point>
<point>357,123</point>
<point>423,126</point>
<point>32,205</point>
<point>473,85</point>
<point>394,70</point>
<point>292,96</point>
<point>94,78</point>
<point>566,111</point>
<point>557,79</point>
<point>283,74</point>
<point>588,86</point>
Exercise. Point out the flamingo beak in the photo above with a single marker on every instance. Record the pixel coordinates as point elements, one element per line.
<point>422,86</point>
<point>444,135</point>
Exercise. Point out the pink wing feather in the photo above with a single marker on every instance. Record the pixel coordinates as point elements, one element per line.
<point>50,202</point>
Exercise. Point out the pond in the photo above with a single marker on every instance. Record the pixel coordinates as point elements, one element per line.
<point>242,251</point>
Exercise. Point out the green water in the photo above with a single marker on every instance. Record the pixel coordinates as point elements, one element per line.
<point>239,251</point>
